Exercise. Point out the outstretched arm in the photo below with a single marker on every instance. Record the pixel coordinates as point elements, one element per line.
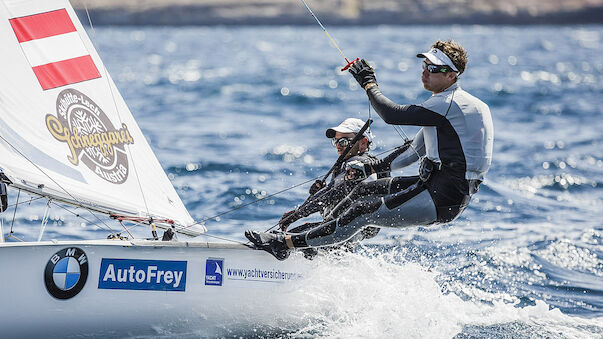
<point>312,205</point>
<point>384,164</point>
<point>395,114</point>
<point>389,111</point>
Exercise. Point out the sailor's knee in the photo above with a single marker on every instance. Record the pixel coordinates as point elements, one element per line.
<point>324,230</point>
<point>367,205</point>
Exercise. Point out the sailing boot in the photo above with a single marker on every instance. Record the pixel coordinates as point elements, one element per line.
<point>310,253</point>
<point>273,243</point>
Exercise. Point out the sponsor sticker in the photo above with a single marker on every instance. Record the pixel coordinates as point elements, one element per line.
<point>272,275</point>
<point>132,274</point>
<point>213,271</point>
<point>66,273</point>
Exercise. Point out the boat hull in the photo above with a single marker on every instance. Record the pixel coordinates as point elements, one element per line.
<point>144,287</point>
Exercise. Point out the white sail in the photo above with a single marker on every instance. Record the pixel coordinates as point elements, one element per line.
<point>65,130</point>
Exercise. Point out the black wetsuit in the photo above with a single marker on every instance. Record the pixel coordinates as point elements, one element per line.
<point>327,198</point>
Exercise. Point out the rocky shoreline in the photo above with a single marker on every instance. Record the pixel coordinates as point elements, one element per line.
<point>342,12</point>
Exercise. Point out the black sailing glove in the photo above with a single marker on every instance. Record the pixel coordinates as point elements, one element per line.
<point>316,186</point>
<point>363,73</point>
<point>287,219</point>
<point>356,170</point>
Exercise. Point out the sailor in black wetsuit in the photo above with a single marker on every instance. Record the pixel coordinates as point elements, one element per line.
<point>355,167</point>
<point>322,198</point>
<point>454,146</point>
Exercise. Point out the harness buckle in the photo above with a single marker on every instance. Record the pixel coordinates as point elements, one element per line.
<point>427,168</point>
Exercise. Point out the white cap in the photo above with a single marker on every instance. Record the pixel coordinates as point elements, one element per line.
<point>437,57</point>
<point>349,125</point>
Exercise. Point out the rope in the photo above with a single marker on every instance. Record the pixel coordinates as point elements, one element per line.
<point>325,30</point>
<point>89,20</point>
<point>12,223</point>
<point>44,220</point>
<point>227,239</point>
<point>125,228</point>
<point>29,202</point>
<point>16,204</point>
<point>247,204</point>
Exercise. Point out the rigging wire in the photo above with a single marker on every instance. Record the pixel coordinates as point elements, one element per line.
<point>125,228</point>
<point>272,195</point>
<point>268,196</point>
<point>108,81</point>
<point>82,217</point>
<point>247,204</point>
<point>51,179</point>
<point>16,204</point>
<point>12,223</point>
<point>405,138</point>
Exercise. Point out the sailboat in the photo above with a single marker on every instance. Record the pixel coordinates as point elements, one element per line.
<point>67,135</point>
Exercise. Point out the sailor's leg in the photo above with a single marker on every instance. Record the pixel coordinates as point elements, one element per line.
<point>379,187</point>
<point>304,227</point>
<point>339,230</point>
<point>409,205</point>
<point>417,210</point>
<point>376,187</point>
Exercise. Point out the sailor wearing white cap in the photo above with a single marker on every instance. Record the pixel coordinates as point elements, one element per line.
<point>357,164</point>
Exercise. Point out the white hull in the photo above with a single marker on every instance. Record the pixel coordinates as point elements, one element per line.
<point>253,288</point>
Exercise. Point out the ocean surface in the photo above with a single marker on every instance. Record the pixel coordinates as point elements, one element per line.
<point>239,113</point>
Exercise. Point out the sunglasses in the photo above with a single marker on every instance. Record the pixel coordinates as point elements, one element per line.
<point>437,68</point>
<point>343,142</point>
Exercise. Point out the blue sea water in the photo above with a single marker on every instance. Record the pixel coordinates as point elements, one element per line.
<point>239,113</point>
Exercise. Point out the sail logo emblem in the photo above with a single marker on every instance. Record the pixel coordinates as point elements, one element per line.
<point>90,136</point>
<point>66,273</point>
<point>213,271</point>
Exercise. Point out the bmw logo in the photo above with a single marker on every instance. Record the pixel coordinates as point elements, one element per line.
<point>66,273</point>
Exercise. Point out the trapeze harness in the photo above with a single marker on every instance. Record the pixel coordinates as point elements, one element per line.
<point>455,144</point>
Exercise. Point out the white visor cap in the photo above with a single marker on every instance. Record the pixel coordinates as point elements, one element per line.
<point>439,58</point>
<point>349,125</point>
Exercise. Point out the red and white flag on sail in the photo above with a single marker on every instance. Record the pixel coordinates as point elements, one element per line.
<point>54,49</point>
